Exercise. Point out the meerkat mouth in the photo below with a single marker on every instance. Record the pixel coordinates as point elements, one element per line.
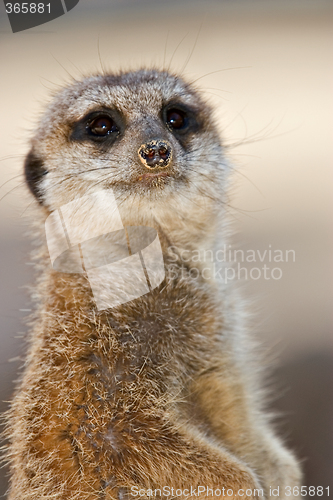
<point>149,178</point>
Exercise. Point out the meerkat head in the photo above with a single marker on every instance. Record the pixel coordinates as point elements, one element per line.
<point>147,135</point>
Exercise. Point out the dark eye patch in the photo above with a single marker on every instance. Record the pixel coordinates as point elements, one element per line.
<point>180,119</point>
<point>100,126</point>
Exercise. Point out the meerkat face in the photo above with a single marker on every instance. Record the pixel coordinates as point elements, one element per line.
<point>147,135</point>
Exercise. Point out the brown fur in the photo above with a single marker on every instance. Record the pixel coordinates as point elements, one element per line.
<point>163,390</point>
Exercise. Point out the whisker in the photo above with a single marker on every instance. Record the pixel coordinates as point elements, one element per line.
<point>26,208</point>
<point>104,71</point>
<point>253,139</point>
<point>174,52</point>
<point>248,179</point>
<point>219,71</point>
<point>165,48</point>
<point>10,157</point>
<point>11,179</point>
<point>11,190</point>
<point>71,77</point>
<point>192,50</point>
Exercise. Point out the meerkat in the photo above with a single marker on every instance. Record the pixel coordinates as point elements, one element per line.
<point>158,396</point>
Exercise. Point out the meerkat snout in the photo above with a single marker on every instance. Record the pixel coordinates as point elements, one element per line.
<point>155,153</point>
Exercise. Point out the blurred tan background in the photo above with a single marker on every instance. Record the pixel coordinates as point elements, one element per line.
<point>267,68</point>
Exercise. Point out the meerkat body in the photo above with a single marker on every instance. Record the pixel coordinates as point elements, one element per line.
<point>160,391</point>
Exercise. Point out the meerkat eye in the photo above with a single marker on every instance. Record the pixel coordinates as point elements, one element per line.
<point>99,126</point>
<point>102,126</point>
<point>176,119</point>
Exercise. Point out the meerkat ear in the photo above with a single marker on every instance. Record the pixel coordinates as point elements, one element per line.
<point>34,170</point>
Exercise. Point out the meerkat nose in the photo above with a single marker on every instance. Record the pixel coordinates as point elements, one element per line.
<point>155,153</point>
